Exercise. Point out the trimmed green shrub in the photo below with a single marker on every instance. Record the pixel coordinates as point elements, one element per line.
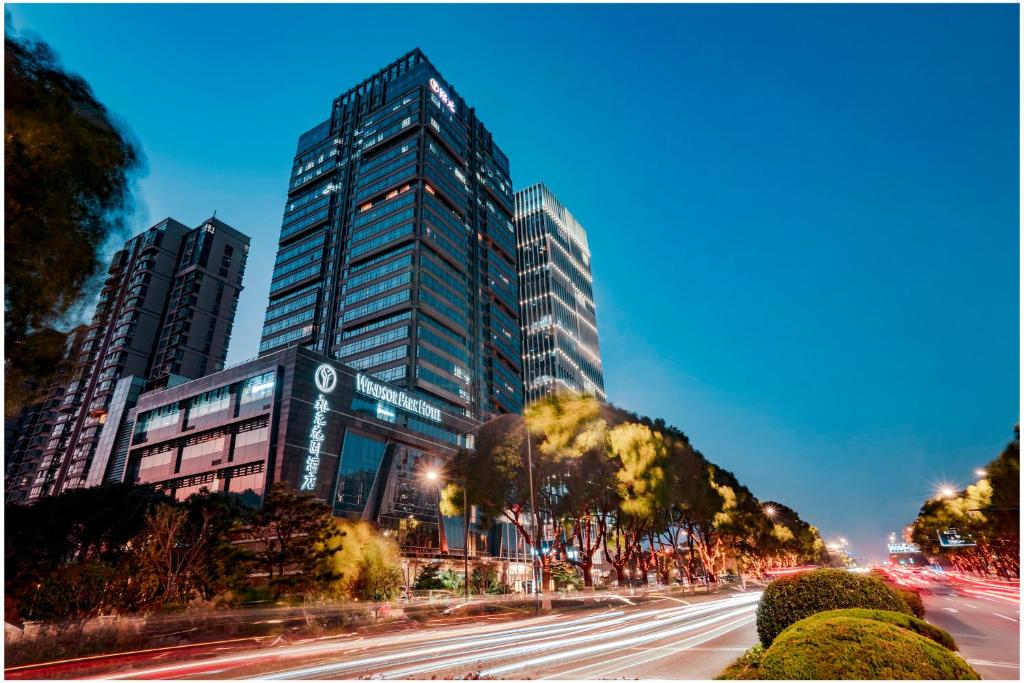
<point>745,668</point>
<point>848,648</point>
<point>911,623</point>
<point>789,599</point>
<point>913,600</point>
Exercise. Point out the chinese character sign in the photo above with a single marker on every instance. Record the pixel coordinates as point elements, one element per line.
<point>326,380</point>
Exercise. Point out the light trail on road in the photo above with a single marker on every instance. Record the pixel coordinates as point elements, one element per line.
<point>566,641</point>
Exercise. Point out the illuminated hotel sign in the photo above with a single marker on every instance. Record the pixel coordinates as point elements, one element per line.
<point>446,99</point>
<point>326,379</point>
<point>397,397</point>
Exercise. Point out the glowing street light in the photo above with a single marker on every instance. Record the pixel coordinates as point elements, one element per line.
<point>434,476</point>
<point>770,511</point>
<point>980,472</point>
<point>946,492</point>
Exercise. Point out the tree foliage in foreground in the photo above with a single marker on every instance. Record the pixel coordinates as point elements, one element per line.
<point>988,511</point>
<point>626,487</point>
<point>120,548</point>
<point>67,190</point>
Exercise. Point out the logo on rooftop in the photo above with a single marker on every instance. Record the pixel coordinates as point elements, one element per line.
<point>445,98</point>
<point>326,378</point>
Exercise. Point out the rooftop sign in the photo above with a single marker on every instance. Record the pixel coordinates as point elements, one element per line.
<point>397,397</point>
<point>446,99</point>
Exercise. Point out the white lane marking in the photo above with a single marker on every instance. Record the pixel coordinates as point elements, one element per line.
<point>971,606</point>
<point>985,662</point>
<point>1005,617</point>
<point>676,599</point>
<point>950,609</point>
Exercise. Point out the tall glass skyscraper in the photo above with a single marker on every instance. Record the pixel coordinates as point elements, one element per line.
<point>397,249</point>
<point>559,320</point>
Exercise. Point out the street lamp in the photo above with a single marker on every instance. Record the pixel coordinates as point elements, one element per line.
<point>435,476</point>
<point>770,510</point>
<point>538,543</point>
<point>946,492</point>
<point>981,472</point>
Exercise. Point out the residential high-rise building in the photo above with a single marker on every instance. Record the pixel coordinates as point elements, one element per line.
<point>27,434</point>
<point>164,314</point>
<point>397,248</point>
<point>559,320</point>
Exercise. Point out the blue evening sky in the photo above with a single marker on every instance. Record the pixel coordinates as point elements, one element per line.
<point>803,219</point>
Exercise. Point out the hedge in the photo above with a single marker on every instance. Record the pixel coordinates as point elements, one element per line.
<point>789,599</point>
<point>843,647</point>
<point>911,623</point>
<point>746,667</point>
<point>913,600</point>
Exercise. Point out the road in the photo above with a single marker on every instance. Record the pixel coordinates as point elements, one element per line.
<point>684,638</point>
<point>983,615</point>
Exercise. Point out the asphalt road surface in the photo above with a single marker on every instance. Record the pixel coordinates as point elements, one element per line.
<point>983,615</point>
<point>682,638</point>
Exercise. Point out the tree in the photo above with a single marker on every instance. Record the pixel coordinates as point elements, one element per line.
<point>297,533</point>
<point>68,176</point>
<point>186,550</point>
<point>379,576</point>
<point>429,578</point>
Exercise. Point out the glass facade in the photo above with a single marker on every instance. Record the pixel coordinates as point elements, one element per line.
<point>361,458</point>
<point>559,320</point>
<point>245,427</point>
<point>399,219</point>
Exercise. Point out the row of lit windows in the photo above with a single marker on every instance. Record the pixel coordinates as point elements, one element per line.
<point>429,334</point>
<point>379,259</point>
<point>288,322</point>
<point>382,286</point>
<point>405,315</point>
<point>368,213</point>
<point>304,223</point>
<point>383,225</point>
<point>381,241</point>
<point>379,358</point>
<point>374,188</point>
<point>297,263</point>
<point>374,341</point>
<point>381,271</point>
<point>302,274</point>
<point>378,305</point>
<point>285,338</point>
<point>299,248</point>
<point>295,304</point>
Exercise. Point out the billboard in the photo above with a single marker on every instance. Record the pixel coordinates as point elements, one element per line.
<point>903,548</point>
<point>951,538</point>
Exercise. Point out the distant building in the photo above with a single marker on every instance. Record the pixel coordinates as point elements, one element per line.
<point>397,248</point>
<point>559,320</point>
<point>164,314</point>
